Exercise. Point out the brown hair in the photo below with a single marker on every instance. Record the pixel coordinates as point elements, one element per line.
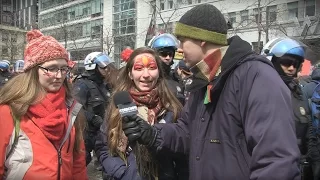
<point>113,117</point>
<point>25,89</point>
<point>112,74</point>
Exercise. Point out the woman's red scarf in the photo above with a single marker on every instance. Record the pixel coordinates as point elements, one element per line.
<point>50,115</point>
<point>150,99</point>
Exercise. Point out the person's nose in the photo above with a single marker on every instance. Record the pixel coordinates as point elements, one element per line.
<point>58,74</point>
<point>291,68</point>
<point>145,73</point>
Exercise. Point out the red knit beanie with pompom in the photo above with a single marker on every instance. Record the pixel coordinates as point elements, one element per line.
<point>41,49</point>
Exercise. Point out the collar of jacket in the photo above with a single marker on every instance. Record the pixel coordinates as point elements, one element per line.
<point>239,51</point>
<point>235,53</point>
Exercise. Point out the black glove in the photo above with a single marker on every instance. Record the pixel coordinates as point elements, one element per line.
<point>97,121</point>
<point>135,128</point>
<point>148,132</point>
<point>131,128</point>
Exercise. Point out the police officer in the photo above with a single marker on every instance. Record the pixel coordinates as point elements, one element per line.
<point>92,89</point>
<point>166,46</point>
<point>287,56</point>
<point>5,75</point>
<point>184,76</point>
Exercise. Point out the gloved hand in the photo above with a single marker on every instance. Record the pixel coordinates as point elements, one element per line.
<point>147,133</point>
<point>97,121</point>
<point>131,128</point>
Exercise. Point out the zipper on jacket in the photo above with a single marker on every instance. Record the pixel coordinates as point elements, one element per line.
<point>59,162</point>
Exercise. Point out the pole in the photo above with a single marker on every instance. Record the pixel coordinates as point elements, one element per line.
<point>259,24</point>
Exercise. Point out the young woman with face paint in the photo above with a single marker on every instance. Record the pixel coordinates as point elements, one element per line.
<point>144,80</point>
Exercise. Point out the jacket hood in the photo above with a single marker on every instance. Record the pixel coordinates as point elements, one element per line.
<point>239,51</point>
<point>315,75</point>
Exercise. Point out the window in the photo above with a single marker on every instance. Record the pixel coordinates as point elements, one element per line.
<point>86,11</point>
<point>124,17</point>
<point>131,29</point>
<point>256,15</point>
<point>170,2</point>
<point>162,5</point>
<point>6,2</point>
<point>116,8</point>
<point>255,47</point>
<point>6,9</point>
<point>199,1</point>
<point>272,10</point>
<point>6,19</point>
<point>244,17</point>
<point>292,10</point>
<point>72,15</point>
<point>189,1</point>
<point>232,18</point>
<point>310,7</point>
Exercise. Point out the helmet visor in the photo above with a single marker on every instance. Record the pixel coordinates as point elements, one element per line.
<point>102,60</point>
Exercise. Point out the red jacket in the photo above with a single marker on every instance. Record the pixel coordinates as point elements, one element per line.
<point>34,156</point>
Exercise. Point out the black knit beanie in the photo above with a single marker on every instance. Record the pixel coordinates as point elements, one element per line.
<point>203,22</point>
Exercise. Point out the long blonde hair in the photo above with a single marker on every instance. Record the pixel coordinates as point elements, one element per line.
<point>113,117</point>
<point>25,89</point>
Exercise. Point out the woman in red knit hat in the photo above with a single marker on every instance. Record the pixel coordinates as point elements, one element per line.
<point>40,124</point>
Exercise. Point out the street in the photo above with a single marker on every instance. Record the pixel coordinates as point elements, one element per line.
<point>93,174</point>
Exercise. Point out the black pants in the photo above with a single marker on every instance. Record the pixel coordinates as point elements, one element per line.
<point>306,171</point>
<point>89,141</point>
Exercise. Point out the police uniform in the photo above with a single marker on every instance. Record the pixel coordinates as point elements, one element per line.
<point>5,76</point>
<point>94,95</point>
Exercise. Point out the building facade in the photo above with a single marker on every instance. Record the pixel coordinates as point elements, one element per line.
<point>77,24</point>
<point>26,14</point>
<point>119,26</point>
<point>254,21</point>
<point>16,17</point>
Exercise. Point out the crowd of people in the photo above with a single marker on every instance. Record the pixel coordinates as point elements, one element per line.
<point>223,113</point>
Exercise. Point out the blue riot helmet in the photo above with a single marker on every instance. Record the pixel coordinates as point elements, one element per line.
<point>97,58</point>
<point>18,66</point>
<point>164,41</point>
<point>281,46</point>
<point>285,52</point>
<point>4,64</point>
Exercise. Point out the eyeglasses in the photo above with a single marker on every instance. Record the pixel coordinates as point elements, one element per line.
<point>289,62</point>
<point>54,71</point>
<point>166,53</point>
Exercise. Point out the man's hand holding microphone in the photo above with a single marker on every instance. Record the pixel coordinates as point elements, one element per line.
<point>134,127</point>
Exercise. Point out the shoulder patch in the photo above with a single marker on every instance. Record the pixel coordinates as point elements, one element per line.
<point>302,111</point>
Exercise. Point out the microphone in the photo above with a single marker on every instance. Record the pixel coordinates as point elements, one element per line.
<point>125,104</point>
